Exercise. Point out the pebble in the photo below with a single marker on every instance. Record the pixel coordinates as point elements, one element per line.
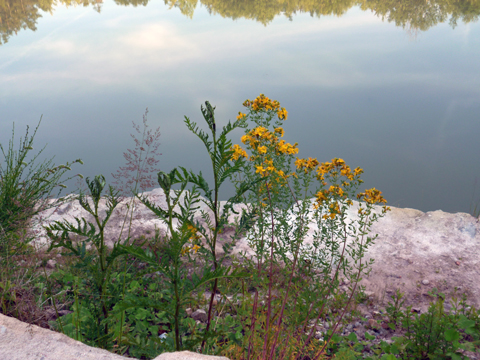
<point>199,315</point>
<point>425,282</point>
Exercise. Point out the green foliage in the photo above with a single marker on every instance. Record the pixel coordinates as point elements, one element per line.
<point>185,239</point>
<point>394,309</point>
<point>25,191</point>
<point>96,265</point>
<point>134,331</point>
<point>435,334</point>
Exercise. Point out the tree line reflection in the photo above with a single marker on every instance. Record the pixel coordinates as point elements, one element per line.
<point>412,15</point>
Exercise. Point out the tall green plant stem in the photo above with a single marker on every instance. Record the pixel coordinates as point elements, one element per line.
<point>102,251</point>
<point>176,274</point>
<point>215,234</point>
<point>100,263</point>
<point>295,260</point>
<point>220,152</point>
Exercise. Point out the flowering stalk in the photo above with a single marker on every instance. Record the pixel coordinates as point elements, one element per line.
<point>271,159</point>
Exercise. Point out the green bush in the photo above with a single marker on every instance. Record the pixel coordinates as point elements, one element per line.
<point>25,191</point>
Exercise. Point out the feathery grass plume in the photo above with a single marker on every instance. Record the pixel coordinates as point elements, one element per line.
<point>141,162</point>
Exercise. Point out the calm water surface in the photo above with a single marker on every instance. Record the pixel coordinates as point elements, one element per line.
<point>390,86</point>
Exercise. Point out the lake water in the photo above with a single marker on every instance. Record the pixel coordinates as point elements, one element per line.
<point>399,98</point>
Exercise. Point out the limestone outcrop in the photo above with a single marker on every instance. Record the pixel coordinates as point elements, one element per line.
<point>414,252</point>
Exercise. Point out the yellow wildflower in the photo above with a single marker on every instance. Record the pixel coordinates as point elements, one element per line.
<point>358,171</point>
<point>372,196</point>
<point>259,131</point>
<point>280,131</point>
<point>338,162</point>
<point>282,114</point>
<point>241,115</point>
<point>321,196</point>
<point>262,102</point>
<point>299,163</point>
<point>335,189</point>
<point>238,152</point>
<point>286,148</point>
<point>260,169</point>
<point>331,216</point>
<point>346,172</point>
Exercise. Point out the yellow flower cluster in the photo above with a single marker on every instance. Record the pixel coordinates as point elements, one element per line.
<point>267,168</point>
<point>280,131</point>
<point>194,238</point>
<point>263,102</point>
<point>335,167</point>
<point>260,139</point>
<point>282,114</point>
<point>372,196</point>
<point>334,190</point>
<point>286,148</point>
<point>238,152</point>
<point>241,115</point>
<point>334,210</point>
<point>258,135</point>
<point>306,164</point>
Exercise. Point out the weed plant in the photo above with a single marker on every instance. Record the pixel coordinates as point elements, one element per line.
<point>436,334</point>
<point>25,191</point>
<point>134,298</point>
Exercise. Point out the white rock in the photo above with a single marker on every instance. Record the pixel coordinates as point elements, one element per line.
<point>21,341</point>
<point>422,242</point>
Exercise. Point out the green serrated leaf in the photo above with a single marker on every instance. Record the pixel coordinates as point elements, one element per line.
<point>452,335</point>
<point>352,337</point>
<point>388,357</point>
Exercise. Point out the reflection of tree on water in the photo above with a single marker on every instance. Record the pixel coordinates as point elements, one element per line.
<point>16,15</point>
<point>413,15</point>
<point>423,14</point>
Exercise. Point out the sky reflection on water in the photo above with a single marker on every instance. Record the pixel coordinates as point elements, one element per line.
<point>405,109</point>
